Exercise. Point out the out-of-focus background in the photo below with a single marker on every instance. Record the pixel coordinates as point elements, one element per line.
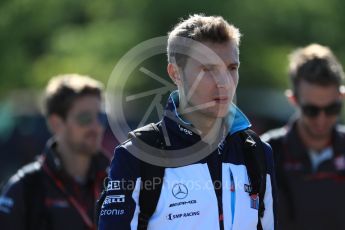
<point>43,38</point>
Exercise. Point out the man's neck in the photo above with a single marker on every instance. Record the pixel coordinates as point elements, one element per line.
<point>311,142</point>
<point>75,164</point>
<point>209,127</point>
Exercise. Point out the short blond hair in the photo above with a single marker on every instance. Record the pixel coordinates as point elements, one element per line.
<point>200,28</point>
<point>63,90</point>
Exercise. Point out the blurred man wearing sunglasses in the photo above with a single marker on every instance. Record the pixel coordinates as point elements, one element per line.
<point>310,150</point>
<point>59,189</point>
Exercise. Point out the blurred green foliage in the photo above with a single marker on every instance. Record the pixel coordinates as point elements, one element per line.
<point>42,38</point>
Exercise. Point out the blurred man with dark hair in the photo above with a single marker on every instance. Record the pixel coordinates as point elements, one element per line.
<point>59,189</point>
<point>309,151</point>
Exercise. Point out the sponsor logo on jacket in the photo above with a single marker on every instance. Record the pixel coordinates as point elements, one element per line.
<point>254,201</point>
<point>180,191</point>
<point>112,212</point>
<point>182,203</point>
<point>247,188</point>
<point>113,185</point>
<point>186,131</point>
<point>182,215</point>
<point>113,199</point>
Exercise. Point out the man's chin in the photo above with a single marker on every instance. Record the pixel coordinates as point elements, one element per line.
<point>319,135</point>
<point>91,149</point>
<point>219,112</point>
<point>222,113</point>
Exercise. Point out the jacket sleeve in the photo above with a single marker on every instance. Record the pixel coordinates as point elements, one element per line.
<point>120,207</point>
<point>12,205</point>
<point>269,220</point>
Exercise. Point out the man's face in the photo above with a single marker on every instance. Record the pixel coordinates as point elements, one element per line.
<point>209,84</point>
<point>318,123</point>
<point>82,130</point>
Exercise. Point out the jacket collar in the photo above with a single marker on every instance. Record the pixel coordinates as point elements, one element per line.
<point>98,165</point>
<point>298,151</point>
<point>235,120</point>
<point>294,140</point>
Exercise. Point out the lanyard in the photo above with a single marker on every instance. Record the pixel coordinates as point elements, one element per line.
<point>82,212</point>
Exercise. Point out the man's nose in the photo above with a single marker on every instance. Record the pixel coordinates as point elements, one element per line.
<point>223,79</point>
<point>321,117</point>
<point>98,122</point>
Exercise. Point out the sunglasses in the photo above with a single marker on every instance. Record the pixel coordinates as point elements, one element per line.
<point>87,118</point>
<point>330,110</point>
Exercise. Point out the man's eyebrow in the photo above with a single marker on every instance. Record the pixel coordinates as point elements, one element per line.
<point>209,64</point>
<point>234,63</point>
<point>215,65</point>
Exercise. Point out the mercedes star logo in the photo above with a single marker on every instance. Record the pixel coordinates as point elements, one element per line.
<point>180,191</point>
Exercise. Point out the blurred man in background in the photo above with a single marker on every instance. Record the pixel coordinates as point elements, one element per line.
<point>309,151</point>
<point>59,189</point>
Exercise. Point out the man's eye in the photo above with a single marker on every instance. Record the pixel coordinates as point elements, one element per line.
<point>233,68</point>
<point>205,69</point>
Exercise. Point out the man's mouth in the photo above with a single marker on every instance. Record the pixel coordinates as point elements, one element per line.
<point>221,100</point>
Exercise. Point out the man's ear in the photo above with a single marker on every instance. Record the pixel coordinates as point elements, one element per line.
<point>174,73</point>
<point>342,92</point>
<point>291,97</point>
<point>55,123</point>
